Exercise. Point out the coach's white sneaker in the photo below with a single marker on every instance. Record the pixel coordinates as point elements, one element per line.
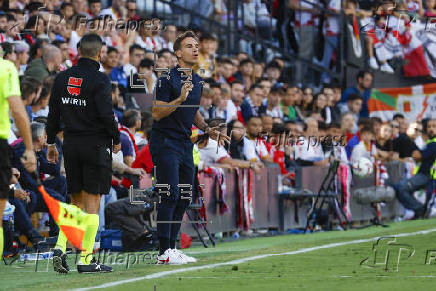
<point>170,257</point>
<point>187,258</point>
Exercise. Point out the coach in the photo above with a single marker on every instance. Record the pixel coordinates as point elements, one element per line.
<point>171,146</point>
<point>81,98</point>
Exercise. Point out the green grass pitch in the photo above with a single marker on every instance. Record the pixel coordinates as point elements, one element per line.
<point>409,263</point>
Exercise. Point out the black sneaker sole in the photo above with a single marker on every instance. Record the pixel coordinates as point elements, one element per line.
<point>57,265</point>
<point>94,272</point>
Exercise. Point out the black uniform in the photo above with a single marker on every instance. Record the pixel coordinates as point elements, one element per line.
<point>81,101</point>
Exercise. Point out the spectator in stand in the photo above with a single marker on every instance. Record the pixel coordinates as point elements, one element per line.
<point>415,133</point>
<point>308,148</point>
<point>306,104</point>
<point>206,102</point>
<point>305,15</point>
<point>9,52</point>
<point>21,199</point>
<point>246,73</point>
<point>30,92</point>
<point>169,36</point>
<point>224,71</point>
<point>352,142</point>
<point>211,153</point>
<point>254,149</point>
<point>145,78</point>
<point>319,106</point>
<point>266,85</point>
<point>348,125</point>
<point>131,10</point>
<point>430,10</point>
<point>363,88</point>
<point>395,128</point>
<point>402,121</point>
<point>55,185</point>
<point>331,36</point>
<point>333,112</point>
<point>267,125</point>
<point>252,104</point>
<point>385,143</point>
<point>354,105</point>
<point>272,103</point>
<point>40,69</point>
<point>40,106</point>
<point>236,131</point>
<point>336,141</point>
<point>273,72</point>
<point>405,145</point>
<point>288,105</point>
<point>136,55</point>
<point>365,148</point>
<point>145,37</point>
<point>117,72</point>
<point>206,66</point>
<point>234,104</point>
<point>115,91</point>
<point>94,8</point>
<point>131,123</point>
<point>110,61</point>
<point>375,124</point>
<point>22,51</point>
<point>405,188</point>
<point>116,11</point>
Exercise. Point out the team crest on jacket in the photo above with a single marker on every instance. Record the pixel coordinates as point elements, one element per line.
<point>74,85</point>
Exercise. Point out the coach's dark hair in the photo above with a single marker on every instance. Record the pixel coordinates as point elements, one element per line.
<point>178,42</point>
<point>90,45</point>
<point>130,117</point>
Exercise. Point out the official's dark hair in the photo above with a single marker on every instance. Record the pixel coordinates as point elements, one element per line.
<point>178,42</point>
<point>130,117</point>
<point>90,45</point>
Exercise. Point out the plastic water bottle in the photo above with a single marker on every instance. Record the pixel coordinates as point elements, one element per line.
<point>8,213</point>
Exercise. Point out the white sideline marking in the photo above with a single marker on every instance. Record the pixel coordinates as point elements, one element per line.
<point>243,260</point>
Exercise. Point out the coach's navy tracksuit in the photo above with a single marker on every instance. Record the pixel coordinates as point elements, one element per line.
<point>171,150</point>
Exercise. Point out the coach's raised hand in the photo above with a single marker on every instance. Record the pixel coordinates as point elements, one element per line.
<point>186,89</point>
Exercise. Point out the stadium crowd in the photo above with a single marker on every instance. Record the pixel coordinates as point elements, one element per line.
<point>253,102</point>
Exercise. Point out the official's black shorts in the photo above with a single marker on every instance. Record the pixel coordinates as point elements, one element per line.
<point>88,167</point>
<point>5,168</point>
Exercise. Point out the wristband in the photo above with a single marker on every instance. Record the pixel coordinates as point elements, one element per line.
<point>52,144</point>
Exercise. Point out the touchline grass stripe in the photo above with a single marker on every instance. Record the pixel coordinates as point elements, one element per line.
<point>247,259</point>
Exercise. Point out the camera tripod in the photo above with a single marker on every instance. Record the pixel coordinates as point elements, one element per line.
<point>327,194</point>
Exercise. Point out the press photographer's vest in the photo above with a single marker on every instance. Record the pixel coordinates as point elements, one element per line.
<point>433,168</point>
